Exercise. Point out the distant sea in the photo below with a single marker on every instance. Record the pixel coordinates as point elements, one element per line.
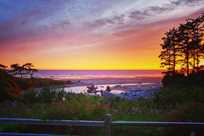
<point>118,80</point>
<point>98,74</point>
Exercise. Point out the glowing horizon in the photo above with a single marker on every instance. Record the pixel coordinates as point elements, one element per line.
<point>89,35</point>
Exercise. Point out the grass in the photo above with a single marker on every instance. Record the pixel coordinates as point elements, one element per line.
<point>33,104</point>
<point>62,105</point>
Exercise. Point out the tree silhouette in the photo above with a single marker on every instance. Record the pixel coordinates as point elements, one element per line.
<point>184,40</point>
<point>191,36</point>
<point>196,42</point>
<point>29,68</point>
<point>170,50</point>
<point>182,46</point>
<point>3,67</point>
<point>16,69</point>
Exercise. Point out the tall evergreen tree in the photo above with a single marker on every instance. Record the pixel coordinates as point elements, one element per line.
<point>169,51</point>
<point>191,43</point>
<point>183,46</point>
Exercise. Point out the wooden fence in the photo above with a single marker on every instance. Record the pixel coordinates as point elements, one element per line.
<point>106,124</point>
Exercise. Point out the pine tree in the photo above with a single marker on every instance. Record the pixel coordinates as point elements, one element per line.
<point>183,46</point>
<point>169,53</point>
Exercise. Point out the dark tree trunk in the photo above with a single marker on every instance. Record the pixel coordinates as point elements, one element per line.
<point>174,60</point>
<point>187,64</point>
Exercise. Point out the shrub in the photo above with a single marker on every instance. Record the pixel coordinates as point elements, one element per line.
<point>9,90</point>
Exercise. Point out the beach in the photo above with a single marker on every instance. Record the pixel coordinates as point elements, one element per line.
<point>122,83</point>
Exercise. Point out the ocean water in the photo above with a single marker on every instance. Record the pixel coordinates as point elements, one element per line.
<point>119,81</point>
<point>98,74</point>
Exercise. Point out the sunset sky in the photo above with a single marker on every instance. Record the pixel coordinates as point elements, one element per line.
<point>89,34</point>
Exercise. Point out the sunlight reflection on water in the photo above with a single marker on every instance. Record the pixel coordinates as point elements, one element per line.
<point>115,88</point>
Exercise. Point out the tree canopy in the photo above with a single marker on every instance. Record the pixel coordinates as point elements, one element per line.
<point>183,47</point>
<point>25,69</point>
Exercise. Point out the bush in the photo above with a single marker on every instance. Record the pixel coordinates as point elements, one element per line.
<point>9,90</point>
<point>175,79</point>
<point>186,112</point>
<point>168,98</point>
<point>43,95</point>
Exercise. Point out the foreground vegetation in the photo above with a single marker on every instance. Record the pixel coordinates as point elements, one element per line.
<point>54,103</point>
<point>11,86</point>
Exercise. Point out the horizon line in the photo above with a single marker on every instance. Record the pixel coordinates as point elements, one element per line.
<point>104,69</point>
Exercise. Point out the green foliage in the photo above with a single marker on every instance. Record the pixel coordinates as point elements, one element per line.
<point>192,111</point>
<point>187,112</point>
<point>11,86</point>
<point>8,88</point>
<point>181,81</point>
<point>43,95</point>
<point>175,79</point>
<point>54,103</point>
<point>27,83</point>
<point>170,97</point>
